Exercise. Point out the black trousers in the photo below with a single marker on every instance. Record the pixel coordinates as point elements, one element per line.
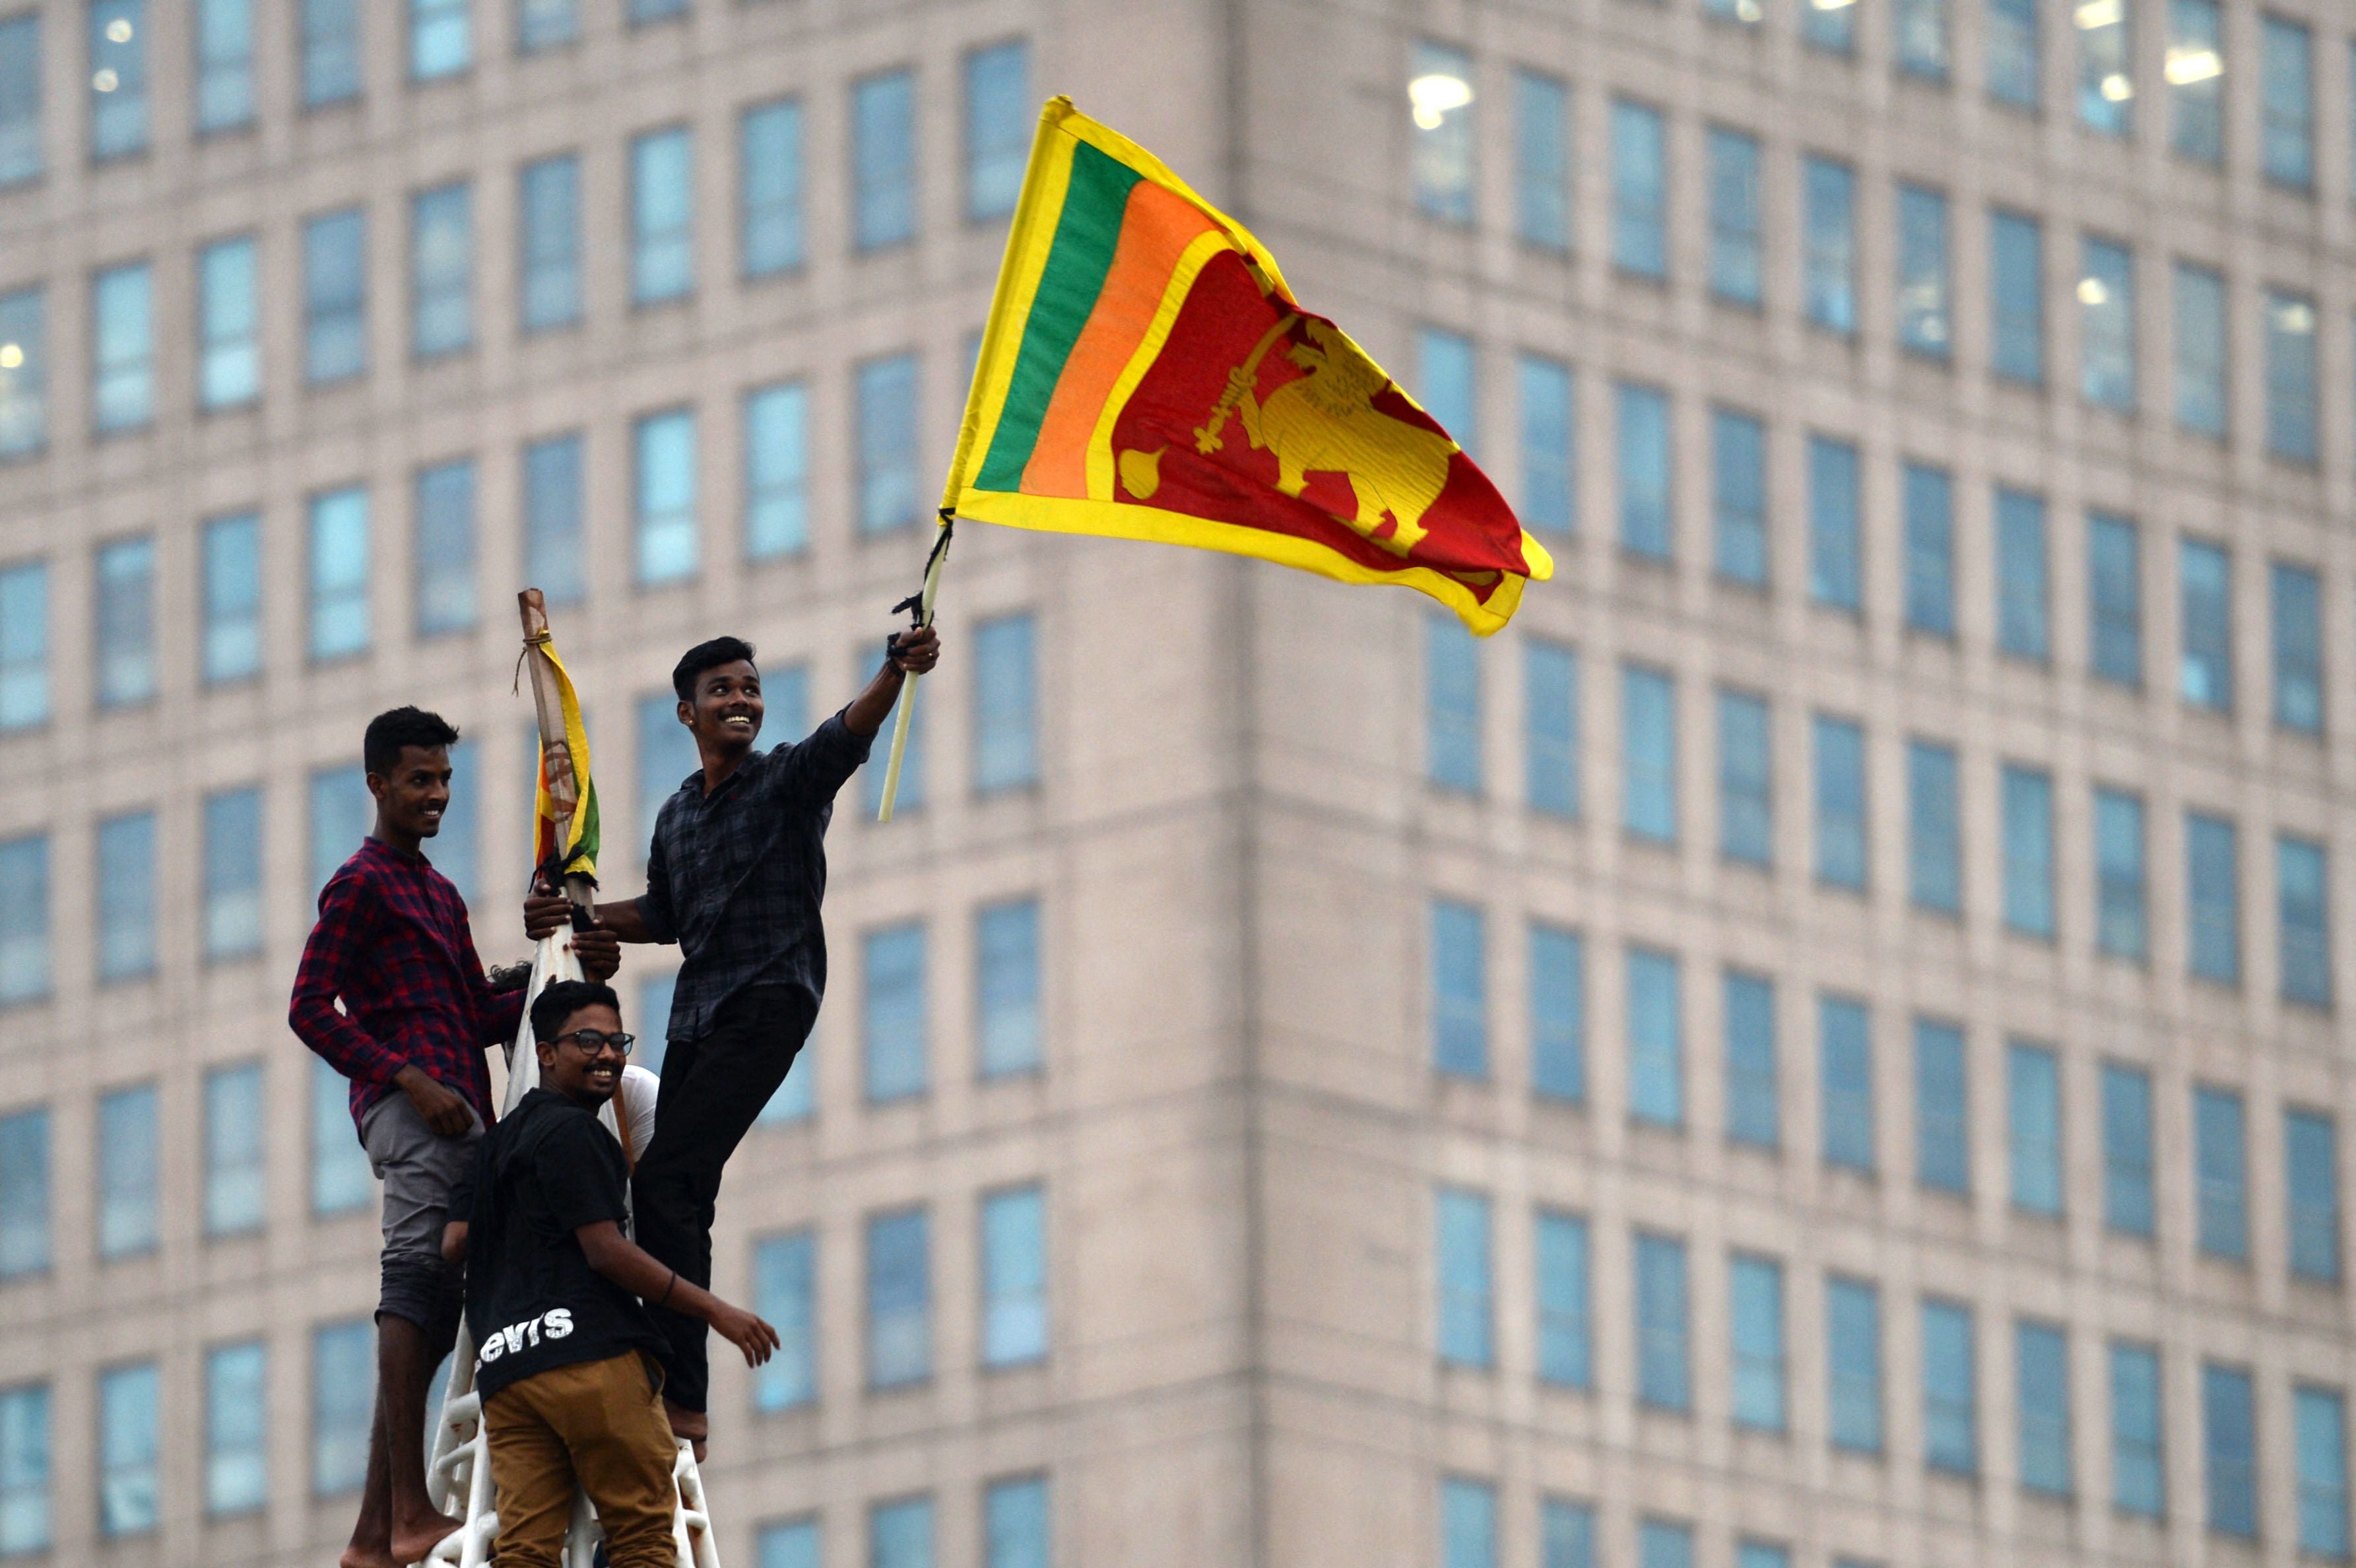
<point>712,1088</point>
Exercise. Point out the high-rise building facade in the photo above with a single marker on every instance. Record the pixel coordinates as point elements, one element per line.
<point>1816,1048</point>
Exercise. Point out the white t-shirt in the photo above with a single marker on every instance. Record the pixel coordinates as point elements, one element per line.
<point>636,1095</point>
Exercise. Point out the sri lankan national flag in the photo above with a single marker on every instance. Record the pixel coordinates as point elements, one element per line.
<point>1146,374</point>
<point>564,805</point>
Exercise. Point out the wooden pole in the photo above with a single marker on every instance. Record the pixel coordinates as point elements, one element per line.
<point>908,692</point>
<point>557,766</point>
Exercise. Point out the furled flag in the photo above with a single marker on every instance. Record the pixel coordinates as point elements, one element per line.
<point>1147,374</point>
<point>565,804</point>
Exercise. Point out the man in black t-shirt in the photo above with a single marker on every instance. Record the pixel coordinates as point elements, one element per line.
<point>566,1358</point>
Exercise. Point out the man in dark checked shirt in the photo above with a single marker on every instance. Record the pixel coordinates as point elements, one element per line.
<point>393,944</point>
<point>735,877</point>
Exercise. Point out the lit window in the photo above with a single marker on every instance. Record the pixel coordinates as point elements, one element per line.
<point>1663,1327</point>
<point>2127,1200</point>
<point>1925,290</point>
<point>1738,451</point>
<point>1439,107</point>
<point>2106,66</point>
<point>444,542</point>
<point>1828,225</point>
<point>1755,1313</point>
<point>547,216</point>
<point>892,1022</point>
<point>237,1429</point>
<point>662,217</point>
<point>2196,79</point>
<point>118,78</point>
<point>2107,322</point>
<point>2115,595</point>
<point>1542,184</point>
<point>667,548</point>
<point>769,196</point>
<point>1648,717</point>
<point>24,361</point>
<point>1934,878</point>
<point>1460,1255</point>
<point>553,547</point>
<point>785,1292</point>
<point>339,574</point>
<point>2033,1097</point>
<point>331,51</point>
<point>1746,779</point>
<point>334,295</point>
<point>1943,1145</point>
<point>998,113</point>
<point>884,160</point>
<point>1734,220</point>
<point>1853,1364</point>
<point>1657,1089</point>
<point>899,1300</point>
<point>884,394</point>
<point>122,347</point>
<point>2290,375</point>
<point>1842,836</point>
<point>2040,1365</point>
<point>125,896</point>
<point>127,1181</point>
<point>124,625</point>
<point>1753,1094</point>
<point>1845,1079</point>
<point>1640,196</point>
<point>1558,978</point>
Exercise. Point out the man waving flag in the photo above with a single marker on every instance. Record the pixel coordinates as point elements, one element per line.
<point>1147,374</point>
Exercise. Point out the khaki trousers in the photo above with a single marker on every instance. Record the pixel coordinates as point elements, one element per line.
<point>601,1424</point>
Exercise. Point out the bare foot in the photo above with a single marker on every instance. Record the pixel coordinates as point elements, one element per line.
<point>414,1541</point>
<point>367,1557</point>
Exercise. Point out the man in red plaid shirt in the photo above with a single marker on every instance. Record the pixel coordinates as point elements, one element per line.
<point>392,943</point>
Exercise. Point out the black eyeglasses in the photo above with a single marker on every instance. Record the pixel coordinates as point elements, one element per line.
<point>592,1041</point>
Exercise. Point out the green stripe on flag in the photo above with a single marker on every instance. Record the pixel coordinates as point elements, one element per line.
<point>1086,231</point>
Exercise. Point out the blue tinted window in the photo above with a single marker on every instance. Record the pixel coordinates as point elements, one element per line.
<point>2127,1150</point>
<point>2119,917</point>
<point>1439,103</point>
<point>1005,703</point>
<point>900,1534</point>
<point>1925,284</point>
<point>2020,575</point>
<point>237,1432</point>
<point>1647,523</point>
<point>1468,1524</point>
<point>884,394</point>
<point>1549,444</point>
<point>23,1190</point>
<point>1648,717</point>
<point>1006,987</point>
<point>125,647</point>
<point>664,450</point>
<point>125,896</point>
<point>335,295</point>
<point>2205,575</point>
<point>2012,52</point>
<point>1450,388</point>
<point>2105,86</point>
<point>25,1507</point>
<point>23,927</point>
<point>440,270</point>
<point>1949,1406</point>
<point>1664,1330</point>
<point>1460,991</point>
<point>1657,1091</point>
<point>2311,1194</point>
<point>791,1543</point>
<point>2033,1097</point>
<point>667,754</point>
<point>1734,218</point>
<point>1943,1125</point>
<point>1013,1277</point>
<point>1934,878</point>
<point>1549,728</point>
<point>229,324</point>
<point>1841,835</point>
<point>1566,1534</point>
<point>224,82</point>
<point>1015,1524</point>
<point>127,1160</point>
<point>2106,325</point>
<point>2321,1430</point>
<point>1738,447</point>
<point>2114,599</point>
<point>129,1446</point>
<point>343,1393</point>
<point>2016,291</point>
<point>1558,961</point>
<point>641,11</point>
<point>2029,850</point>
<point>551,519</point>
<point>1835,569</point>
<point>2290,375</point>
<point>1746,779</point>
<point>1640,239</point>
<point>899,1299</point>
<point>342,1178</point>
<point>341,815</point>
<point>2297,647</point>
<point>662,215</point>
<point>23,384</point>
<point>2196,126</point>
<point>1451,704</point>
<point>1461,1266</point>
<point>545,25</point>
<point>1753,1094</point>
<point>2212,898</point>
<point>769,193</point>
<point>1755,1318</point>
<point>2041,1355</point>
<point>1844,1067</point>
<point>2303,887</point>
<point>2201,398</point>
<point>884,160</point>
<point>1930,550</point>
<point>2138,1467</point>
<point>20,100</point>
<point>444,542</point>
<point>331,51</point>
<point>1662,1543</point>
<point>1853,1364</point>
<point>1565,1343</point>
<point>122,347</point>
<point>236,1173</point>
<point>893,1026</point>
<point>2229,1449</point>
<point>1829,27</point>
<point>339,574</point>
<point>1541,160</point>
<point>118,78</point>
<point>1828,224</point>
<point>998,116</point>
<point>2285,103</point>
<point>439,44</point>
<point>548,219</point>
<point>2220,1175</point>
<point>24,645</point>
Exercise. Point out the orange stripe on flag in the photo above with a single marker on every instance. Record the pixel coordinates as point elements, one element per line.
<point>1154,233</point>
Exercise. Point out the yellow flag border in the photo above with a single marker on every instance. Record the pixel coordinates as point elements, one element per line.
<point>576,740</point>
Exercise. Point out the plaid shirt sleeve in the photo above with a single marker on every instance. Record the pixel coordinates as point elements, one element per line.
<point>654,903</point>
<point>818,768</point>
<point>336,948</point>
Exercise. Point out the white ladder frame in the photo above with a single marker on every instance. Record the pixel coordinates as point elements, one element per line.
<point>459,1479</point>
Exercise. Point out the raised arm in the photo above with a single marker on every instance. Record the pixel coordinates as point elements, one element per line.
<point>911,653</point>
<point>627,1264</point>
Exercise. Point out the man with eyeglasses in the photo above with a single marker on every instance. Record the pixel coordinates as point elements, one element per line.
<point>567,1361</point>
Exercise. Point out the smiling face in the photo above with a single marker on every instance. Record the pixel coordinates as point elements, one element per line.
<point>725,716</point>
<point>584,1079</point>
<point>410,798</point>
